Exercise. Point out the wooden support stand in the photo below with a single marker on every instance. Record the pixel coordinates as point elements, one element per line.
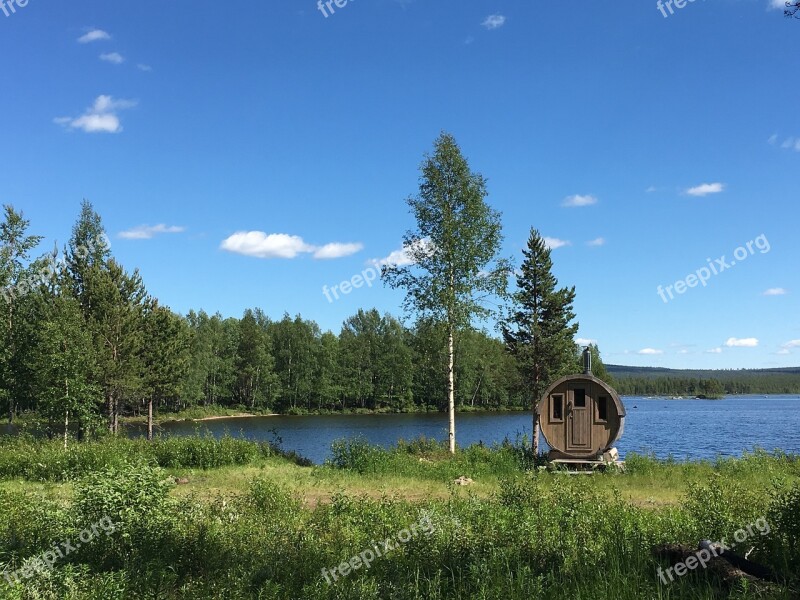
<point>585,466</point>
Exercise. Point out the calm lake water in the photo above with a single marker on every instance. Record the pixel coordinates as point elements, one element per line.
<point>684,429</point>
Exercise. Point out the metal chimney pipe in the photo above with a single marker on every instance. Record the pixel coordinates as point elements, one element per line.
<point>587,361</point>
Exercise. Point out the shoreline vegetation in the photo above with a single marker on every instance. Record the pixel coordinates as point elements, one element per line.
<point>200,414</point>
<point>198,517</point>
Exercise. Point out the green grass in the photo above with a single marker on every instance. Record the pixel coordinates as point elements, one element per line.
<point>251,523</point>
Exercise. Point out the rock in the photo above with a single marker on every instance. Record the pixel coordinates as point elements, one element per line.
<point>181,480</point>
<point>611,456</point>
<point>463,481</point>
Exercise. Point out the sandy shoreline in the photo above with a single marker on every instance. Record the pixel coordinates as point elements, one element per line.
<point>242,416</point>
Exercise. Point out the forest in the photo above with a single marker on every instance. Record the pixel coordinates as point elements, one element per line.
<point>86,345</point>
<point>648,381</point>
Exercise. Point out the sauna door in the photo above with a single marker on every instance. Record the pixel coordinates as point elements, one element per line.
<point>579,418</point>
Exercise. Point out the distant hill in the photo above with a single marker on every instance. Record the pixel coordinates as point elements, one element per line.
<point>626,371</point>
<point>659,381</point>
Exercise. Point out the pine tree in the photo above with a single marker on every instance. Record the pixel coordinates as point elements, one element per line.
<point>165,357</point>
<point>118,302</point>
<point>87,252</point>
<point>538,332</point>
<point>598,367</point>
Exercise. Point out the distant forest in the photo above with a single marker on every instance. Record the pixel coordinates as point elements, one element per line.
<point>652,381</point>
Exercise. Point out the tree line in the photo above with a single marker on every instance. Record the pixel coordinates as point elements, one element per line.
<point>721,384</point>
<point>85,343</point>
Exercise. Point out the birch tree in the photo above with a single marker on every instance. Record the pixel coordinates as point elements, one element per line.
<point>454,266</point>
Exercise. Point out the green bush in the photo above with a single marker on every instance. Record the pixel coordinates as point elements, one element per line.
<point>45,460</point>
<point>539,536</point>
<point>783,540</point>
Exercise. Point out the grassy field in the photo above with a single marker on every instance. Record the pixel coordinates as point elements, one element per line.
<point>245,521</point>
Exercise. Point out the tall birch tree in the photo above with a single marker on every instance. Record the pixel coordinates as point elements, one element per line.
<point>455,269</point>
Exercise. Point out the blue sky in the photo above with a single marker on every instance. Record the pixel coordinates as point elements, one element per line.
<point>641,145</point>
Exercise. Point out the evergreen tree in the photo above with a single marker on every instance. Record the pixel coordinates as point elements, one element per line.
<point>88,252</point>
<point>118,302</point>
<point>165,357</point>
<point>598,367</point>
<point>538,332</point>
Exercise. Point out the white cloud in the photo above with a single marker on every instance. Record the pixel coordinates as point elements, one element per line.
<point>578,200</point>
<point>261,245</point>
<point>90,123</point>
<point>705,189</point>
<point>650,352</point>
<point>651,189</point>
<point>774,137</point>
<point>337,250</point>
<point>101,117</point>
<point>596,242</point>
<point>791,344</point>
<point>283,245</point>
<point>777,4</point>
<point>143,67</point>
<point>93,36</point>
<point>775,292</point>
<point>714,351</point>
<point>494,22</point>
<point>742,343</point>
<point>403,256</point>
<point>115,58</point>
<point>790,143</point>
<point>683,351</point>
<point>783,351</point>
<point>146,232</point>
<point>555,243</point>
<point>107,103</point>
<point>399,258</point>
<point>585,341</point>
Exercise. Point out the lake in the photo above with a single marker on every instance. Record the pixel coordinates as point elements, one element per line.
<point>684,429</point>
